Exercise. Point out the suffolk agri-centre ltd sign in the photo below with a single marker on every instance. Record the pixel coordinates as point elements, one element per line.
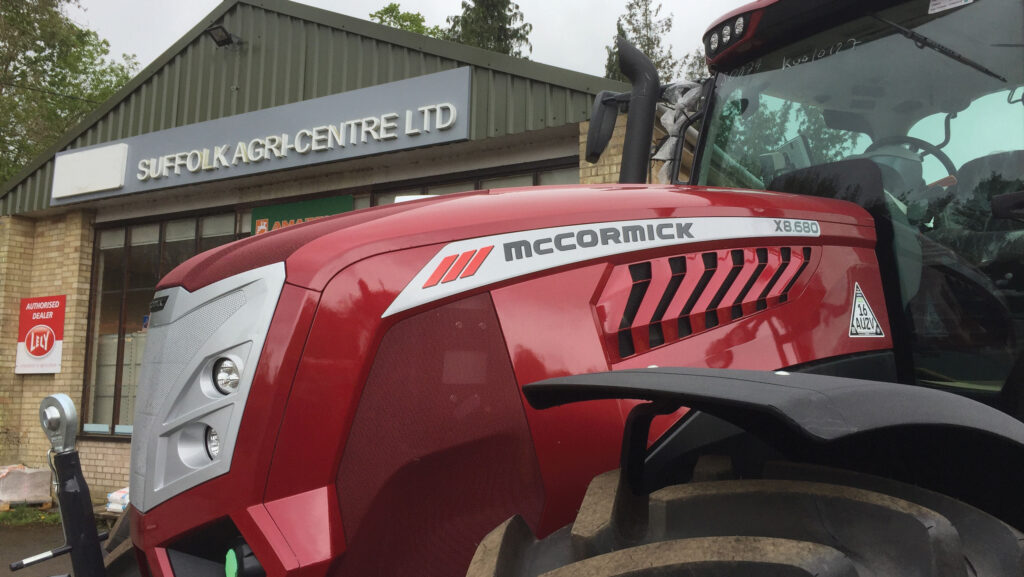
<point>411,113</point>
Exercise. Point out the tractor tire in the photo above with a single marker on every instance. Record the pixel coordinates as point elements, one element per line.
<point>795,520</point>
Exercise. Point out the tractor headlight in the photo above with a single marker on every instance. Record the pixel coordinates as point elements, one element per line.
<point>212,442</point>
<point>714,41</point>
<point>738,26</point>
<point>226,376</point>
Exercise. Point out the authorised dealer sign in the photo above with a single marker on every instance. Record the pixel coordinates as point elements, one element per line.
<point>40,335</point>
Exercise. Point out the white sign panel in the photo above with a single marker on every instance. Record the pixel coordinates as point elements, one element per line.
<point>91,170</point>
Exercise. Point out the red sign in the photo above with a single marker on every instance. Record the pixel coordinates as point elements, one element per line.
<point>40,335</point>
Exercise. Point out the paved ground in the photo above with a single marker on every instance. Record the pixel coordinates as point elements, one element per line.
<point>17,543</point>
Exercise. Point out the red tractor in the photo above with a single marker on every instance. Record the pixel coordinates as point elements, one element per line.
<point>362,395</point>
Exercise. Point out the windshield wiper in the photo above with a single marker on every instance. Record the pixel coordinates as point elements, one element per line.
<point>925,42</point>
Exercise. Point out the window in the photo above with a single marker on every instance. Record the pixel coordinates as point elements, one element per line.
<point>544,176</point>
<point>129,262</point>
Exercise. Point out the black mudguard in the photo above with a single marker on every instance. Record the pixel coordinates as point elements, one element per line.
<point>927,437</point>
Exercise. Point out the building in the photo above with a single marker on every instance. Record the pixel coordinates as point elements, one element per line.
<point>264,115</point>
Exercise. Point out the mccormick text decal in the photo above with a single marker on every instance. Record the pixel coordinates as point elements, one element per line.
<point>468,264</point>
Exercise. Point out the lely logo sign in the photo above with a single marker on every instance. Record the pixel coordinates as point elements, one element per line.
<point>39,341</point>
<point>468,264</point>
<point>40,335</point>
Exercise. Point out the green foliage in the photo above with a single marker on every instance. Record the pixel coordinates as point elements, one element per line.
<point>21,516</point>
<point>496,25</point>
<point>52,74</point>
<point>693,66</point>
<point>393,16</point>
<point>644,27</point>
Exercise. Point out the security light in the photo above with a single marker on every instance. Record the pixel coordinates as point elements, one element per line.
<point>220,35</point>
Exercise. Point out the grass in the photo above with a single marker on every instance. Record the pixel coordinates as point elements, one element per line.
<point>20,516</point>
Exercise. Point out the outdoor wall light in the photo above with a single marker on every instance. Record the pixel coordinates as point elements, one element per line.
<point>220,35</point>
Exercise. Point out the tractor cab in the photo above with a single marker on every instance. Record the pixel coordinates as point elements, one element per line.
<point>915,111</point>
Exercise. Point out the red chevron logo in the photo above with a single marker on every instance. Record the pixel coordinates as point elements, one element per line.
<point>456,266</point>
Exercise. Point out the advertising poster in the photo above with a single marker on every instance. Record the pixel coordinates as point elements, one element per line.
<point>40,335</point>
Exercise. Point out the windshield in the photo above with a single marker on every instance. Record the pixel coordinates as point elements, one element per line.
<point>934,102</point>
<point>841,92</point>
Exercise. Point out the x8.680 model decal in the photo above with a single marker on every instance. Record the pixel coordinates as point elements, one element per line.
<point>468,264</point>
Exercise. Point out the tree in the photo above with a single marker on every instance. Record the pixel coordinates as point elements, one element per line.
<point>644,28</point>
<point>393,16</point>
<point>52,74</point>
<point>496,25</point>
<point>693,66</point>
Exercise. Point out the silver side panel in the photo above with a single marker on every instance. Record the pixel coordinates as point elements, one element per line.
<point>177,400</point>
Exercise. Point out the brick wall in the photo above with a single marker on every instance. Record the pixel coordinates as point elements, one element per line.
<point>43,257</point>
<point>105,465</point>
<point>606,170</point>
<point>61,264</point>
<point>17,237</point>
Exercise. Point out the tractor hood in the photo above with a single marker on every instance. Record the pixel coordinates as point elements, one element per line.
<point>316,251</point>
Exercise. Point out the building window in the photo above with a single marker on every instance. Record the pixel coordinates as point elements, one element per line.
<point>129,262</point>
<point>545,176</point>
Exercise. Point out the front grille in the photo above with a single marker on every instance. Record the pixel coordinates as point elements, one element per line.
<point>176,398</point>
<point>651,303</point>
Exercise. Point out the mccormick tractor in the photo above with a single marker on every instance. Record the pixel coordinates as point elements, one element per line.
<point>813,345</point>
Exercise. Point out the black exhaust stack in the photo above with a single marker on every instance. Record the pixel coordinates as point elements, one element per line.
<point>641,101</point>
<point>636,149</point>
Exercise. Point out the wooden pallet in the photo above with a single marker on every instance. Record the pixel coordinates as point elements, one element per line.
<point>43,506</point>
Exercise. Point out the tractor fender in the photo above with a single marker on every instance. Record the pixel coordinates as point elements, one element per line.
<point>930,438</point>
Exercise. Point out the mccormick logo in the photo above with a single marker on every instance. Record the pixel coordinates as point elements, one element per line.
<point>456,266</point>
<point>530,251</point>
<point>592,237</point>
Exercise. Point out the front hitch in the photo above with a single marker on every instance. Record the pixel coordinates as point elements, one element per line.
<point>59,419</point>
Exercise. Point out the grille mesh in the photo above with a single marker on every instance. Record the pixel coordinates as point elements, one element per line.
<point>167,361</point>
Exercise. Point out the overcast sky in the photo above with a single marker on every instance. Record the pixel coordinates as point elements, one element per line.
<point>567,33</point>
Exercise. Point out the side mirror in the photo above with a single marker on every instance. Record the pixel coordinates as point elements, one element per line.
<point>1009,205</point>
<point>602,122</point>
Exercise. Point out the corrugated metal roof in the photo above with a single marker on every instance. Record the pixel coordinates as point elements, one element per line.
<point>291,52</point>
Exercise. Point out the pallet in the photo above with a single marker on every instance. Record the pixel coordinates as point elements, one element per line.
<point>43,506</point>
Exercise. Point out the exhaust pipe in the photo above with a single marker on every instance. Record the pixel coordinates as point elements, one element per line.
<point>636,148</point>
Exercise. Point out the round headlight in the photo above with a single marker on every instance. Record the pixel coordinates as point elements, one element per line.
<point>212,442</point>
<point>226,376</point>
<point>738,26</point>
<point>714,41</point>
<point>726,34</point>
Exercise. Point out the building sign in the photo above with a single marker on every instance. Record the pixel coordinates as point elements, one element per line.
<point>40,335</point>
<point>411,113</point>
<point>268,218</point>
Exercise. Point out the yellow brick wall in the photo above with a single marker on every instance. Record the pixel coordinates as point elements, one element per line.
<point>17,237</point>
<point>105,465</point>
<point>606,170</point>
<point>44,257</point>
<point>61,265</point>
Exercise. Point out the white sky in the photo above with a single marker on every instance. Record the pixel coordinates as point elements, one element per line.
<point>568,33</point>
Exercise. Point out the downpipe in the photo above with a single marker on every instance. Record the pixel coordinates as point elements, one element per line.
<point>59,419</point>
